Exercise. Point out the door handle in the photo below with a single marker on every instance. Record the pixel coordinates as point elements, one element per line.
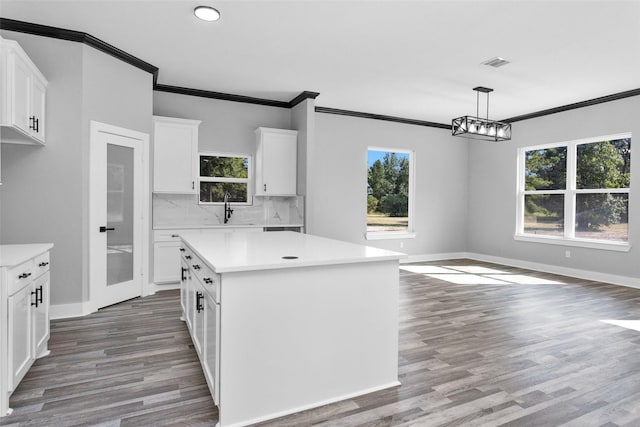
<point>104,229</point>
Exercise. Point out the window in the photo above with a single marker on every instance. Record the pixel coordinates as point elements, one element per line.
<point>222,174</point>
<point>389,193</point>
<point>576,192</point>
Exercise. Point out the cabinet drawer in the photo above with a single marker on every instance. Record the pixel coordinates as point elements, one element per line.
<point>20,276</point>
<point>41,264</point>
<point>210,281</point>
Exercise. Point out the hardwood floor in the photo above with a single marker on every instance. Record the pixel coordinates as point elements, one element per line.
<point>480,345</point>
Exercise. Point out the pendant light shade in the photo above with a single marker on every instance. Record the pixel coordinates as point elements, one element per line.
<point>481,128</point>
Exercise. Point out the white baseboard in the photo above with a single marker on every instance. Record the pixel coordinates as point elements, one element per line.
<point>433,257</point>
<point>631,282</point>
<point>63,311</point>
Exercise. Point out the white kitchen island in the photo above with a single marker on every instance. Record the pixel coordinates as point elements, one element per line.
<point>285,321</point>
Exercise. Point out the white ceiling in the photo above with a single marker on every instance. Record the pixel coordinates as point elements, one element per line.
<point>412,59</point>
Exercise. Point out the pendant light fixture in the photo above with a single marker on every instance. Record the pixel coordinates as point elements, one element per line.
<point>207,13</point>
<point>481,128</point>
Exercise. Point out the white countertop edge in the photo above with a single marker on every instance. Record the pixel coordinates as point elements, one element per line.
<point>221,227</point>
<point>297,263</point>
<point>12,255</point>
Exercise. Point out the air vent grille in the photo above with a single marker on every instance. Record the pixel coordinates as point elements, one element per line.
<point>496,62</point>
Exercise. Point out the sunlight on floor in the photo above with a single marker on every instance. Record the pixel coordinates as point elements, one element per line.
<point>476,274</point>
<point>629,324</point>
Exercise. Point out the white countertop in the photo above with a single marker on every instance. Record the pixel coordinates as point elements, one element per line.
<point>242,251</point>
<point>12,255</point>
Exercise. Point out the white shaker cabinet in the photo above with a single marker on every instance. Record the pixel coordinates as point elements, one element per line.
<point>175,155</point>
<point>276,161</point>
<point>22,108</point>
<point>24,313</point>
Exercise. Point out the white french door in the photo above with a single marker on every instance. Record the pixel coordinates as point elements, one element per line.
<point>117,203</point>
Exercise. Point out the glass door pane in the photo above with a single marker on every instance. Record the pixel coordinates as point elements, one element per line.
<point>119,214</point>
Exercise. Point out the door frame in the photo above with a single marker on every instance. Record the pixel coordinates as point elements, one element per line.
<point>95,129</point>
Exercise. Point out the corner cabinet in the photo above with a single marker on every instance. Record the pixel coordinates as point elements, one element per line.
<point>24,312</point>
<point>276,162</point>
<point>23,88</point>
<point>175,155</point>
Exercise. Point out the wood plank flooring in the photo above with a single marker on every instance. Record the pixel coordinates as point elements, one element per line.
<point>480,345</point>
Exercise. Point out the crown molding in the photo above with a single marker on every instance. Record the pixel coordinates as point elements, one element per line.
<point>80,37</point>
<point>303,95</point>
<point>221,96</point>
<point>575,105</point>
<point>363,115</point>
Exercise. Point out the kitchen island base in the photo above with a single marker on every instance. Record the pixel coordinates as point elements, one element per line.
<point>284,322</point>
<point>293,339</point>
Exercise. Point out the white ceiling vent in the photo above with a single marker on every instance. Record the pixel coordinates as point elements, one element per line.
<point>496,62</point>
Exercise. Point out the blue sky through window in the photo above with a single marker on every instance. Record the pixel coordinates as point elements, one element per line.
<point>378,155</point>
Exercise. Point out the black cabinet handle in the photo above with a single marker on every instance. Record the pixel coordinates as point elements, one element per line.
<point>39,298</point>
<point>32,122</point>
<point>104,229</point>
<point>207,280</point>
<point>36,301</point>
<point>199,298</point>
<point>37,126</point>
<point>265,188</point>
<point>196,266</point>
<point>24,275</point>
<point>181,249</point>
<point>187,256</point>
<point>183,276</point>
<point>43,264</point>
<point>193,185</point>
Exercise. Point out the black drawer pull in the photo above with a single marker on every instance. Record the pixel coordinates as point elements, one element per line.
<point>187,256</point>
<point>43,264</point>
<point>207,280</point>
<point>181,249</point>
<point>196,267</point>
<point>24,275</point>
<point>199,298</point>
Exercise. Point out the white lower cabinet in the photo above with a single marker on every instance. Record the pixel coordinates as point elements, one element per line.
<point>166,264</point>
<point>24,313</point>
<point>200,299</point>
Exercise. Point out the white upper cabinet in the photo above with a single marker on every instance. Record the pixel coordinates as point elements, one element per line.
<point>23,88</point>
<point>175,155</point>
<point>276,162</point>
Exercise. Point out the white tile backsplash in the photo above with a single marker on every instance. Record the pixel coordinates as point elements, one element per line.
<point>183,210</point>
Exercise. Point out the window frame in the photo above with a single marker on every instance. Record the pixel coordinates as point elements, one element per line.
<point>248,180</point>
<point>569,193</point>
<point>409,233</point>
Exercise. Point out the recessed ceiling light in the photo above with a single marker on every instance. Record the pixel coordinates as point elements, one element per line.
<point>206,13</point>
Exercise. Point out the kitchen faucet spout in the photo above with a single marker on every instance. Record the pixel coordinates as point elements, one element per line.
<point>227,208</point>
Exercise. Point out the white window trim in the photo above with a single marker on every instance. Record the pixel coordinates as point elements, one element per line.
<point>408,233</point>
<point>569,193</point>
<point>248,180</point>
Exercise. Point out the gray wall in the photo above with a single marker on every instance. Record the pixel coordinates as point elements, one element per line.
<point>226,126</point>
<point>44,196</point>
<point>338,182</point>
<point>492,189</point>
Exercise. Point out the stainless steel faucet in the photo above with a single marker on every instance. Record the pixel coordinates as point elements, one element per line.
<point>227,208</point>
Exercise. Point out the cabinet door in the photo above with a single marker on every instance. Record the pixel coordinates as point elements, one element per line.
<point>211,346</point>
<point>197,333</point>
<point>166,262</point>
<point>277,162</point>
<point>41,315</point>
<point>20,335</point>
<point>38,94</point>
<point>175,150</point>
<point>21,82</point>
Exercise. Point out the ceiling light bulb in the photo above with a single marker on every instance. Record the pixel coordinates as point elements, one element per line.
<point>501,133</point>
<point>206,13</point>
<point>483,129</point>
<point>492,131</point>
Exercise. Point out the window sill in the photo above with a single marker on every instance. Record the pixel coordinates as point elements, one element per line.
<point>387,235</point>
<point>582,243</point>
